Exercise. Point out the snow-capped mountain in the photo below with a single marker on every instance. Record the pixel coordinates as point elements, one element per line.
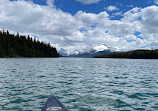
<point>91,52</point>
<point>63,52</point>
<point>104,47</point>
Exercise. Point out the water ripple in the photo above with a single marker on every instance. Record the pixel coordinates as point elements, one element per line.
<point>82,84</point>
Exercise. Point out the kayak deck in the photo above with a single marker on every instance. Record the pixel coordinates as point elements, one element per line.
<point>53,104</point>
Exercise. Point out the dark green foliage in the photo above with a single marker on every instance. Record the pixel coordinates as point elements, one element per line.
<point>22,46</point>
<point>136,54</point>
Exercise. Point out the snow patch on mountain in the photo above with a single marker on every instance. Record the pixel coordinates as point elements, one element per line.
<point>63,52</point>
<point>104,47</point>
<point>101,48</point>
<point>92,50</point>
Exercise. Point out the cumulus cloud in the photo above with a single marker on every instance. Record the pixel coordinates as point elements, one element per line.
<point>83,29</point>
<point>88,1</point>
<point>116,14</point>
<point>146,17</point>
<point>89,18</point>
<point>50,3</point>
<point>25,16</point>
<point>156,2</point>
<point>111,8</point>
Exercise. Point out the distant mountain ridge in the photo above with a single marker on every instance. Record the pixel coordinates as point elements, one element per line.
<point>135,54</point>
<point>63,52</point>
<point>94,51</point>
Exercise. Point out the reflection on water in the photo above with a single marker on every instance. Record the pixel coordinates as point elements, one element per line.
<point>82,84</point>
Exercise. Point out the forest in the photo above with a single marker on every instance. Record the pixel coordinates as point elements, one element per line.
<point>135,54</point>
<point>12,45</point>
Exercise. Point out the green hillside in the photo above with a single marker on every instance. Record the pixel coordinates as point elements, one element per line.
<point>136,54</point>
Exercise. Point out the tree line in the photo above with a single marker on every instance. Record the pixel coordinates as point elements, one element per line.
<point>135,54</point>
<point>12,45</point>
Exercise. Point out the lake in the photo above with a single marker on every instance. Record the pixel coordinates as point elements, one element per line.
<point>81,84</point>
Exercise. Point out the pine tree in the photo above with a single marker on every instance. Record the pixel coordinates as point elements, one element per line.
<point>16,45</point>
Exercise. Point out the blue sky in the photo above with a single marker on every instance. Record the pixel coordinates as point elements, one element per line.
<point>72,6</point>
<point>81,24</point>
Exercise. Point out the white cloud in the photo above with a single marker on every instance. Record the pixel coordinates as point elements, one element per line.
<point>25,16</point>
<point>111,8</point>
<point>50,3</point>
<point>116,14</point>
<point>130,6</point>
<point>156,2</point>
<point>88,1</point>
<point>147,18</point>
<point>91,18</point>
<point>63,30</point>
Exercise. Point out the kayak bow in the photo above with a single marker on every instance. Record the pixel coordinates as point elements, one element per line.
<point>53,104</point>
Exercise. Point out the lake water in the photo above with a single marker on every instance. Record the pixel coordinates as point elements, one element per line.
<point>81,84</point>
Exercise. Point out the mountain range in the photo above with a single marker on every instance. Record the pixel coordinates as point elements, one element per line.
<point>90,52</point>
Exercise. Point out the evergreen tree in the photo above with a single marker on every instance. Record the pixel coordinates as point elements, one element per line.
<point>136,54</point>
<point>22,46</point>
